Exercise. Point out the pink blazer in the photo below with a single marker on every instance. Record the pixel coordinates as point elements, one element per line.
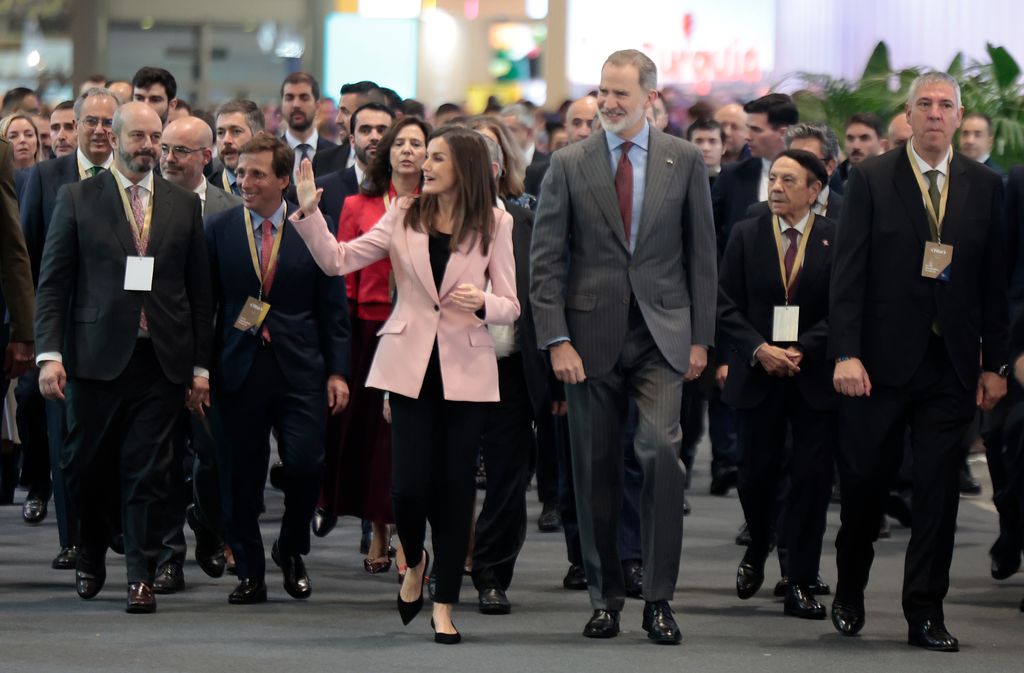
<point>469,368</point>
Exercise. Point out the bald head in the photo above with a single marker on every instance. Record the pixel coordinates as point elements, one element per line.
<point>899,132</point>
<point>137,130</point>
<point>734,124</point>
<point>185,149</point>
<point>579,118</point>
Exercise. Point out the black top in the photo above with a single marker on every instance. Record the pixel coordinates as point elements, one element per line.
<point>439,254</point>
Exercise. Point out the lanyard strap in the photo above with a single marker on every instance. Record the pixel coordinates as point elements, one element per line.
<point>934,219</point>
<point>225,181</point>
<point>274,251</point>
<point>789,283</point>
<point>141,235</point>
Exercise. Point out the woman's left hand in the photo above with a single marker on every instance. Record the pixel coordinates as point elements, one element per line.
<point>468,297</point>
<point>306,190</point>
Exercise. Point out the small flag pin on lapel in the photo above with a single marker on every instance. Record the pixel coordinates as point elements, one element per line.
<point>670,162</point>
<point>824,242</point>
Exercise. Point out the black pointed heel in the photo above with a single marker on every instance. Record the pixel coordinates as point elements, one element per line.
<point>408,610</point>
<point>445,638</point>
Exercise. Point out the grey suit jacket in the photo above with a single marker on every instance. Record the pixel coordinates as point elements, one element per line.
<point>583,273</point>
<point>217,200</point>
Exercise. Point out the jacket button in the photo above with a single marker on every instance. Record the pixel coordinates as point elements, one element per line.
<point>436,307</point>
<point>625,300</point>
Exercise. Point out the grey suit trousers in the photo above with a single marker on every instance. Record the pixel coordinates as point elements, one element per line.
<point>597,411</point>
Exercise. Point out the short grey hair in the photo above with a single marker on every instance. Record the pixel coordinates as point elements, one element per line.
<point>520,112</point>
<point>638,59</point>
<point>494,150</point>
<point>252,112</point>
<point>92,91</point>
<point>820,132</point>
<point>934,77</point>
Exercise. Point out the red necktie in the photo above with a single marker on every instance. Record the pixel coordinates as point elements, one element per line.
<point>794,236</point>
<point>266,272</point>
<point>624,190</point>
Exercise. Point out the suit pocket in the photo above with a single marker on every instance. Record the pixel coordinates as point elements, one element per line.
<point>675,300</point>
<point>581,302</point>
<point>481,339</point>
<point>86,314</point>
<point>392,327</point>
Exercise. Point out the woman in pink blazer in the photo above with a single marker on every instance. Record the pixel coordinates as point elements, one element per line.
<point>435,355</point>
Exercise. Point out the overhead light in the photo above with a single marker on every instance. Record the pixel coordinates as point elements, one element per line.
<point>147,23</point>
<point>33,58</point>
<point>536,9</point>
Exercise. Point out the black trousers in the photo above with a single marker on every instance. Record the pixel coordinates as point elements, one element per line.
<point>507,443</point>
<point>937,408</point>
<point>266,402</point>
<point>804,473</point>
<point>547,459</point>
<point>209,486</point>
<point>119,442</point>
<point>434,445</point>
<point>31,420</point>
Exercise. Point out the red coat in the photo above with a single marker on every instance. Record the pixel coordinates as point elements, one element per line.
<point>369,288</point>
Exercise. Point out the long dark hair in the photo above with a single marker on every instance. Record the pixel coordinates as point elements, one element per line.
<point>475,194</point>
<point>378,173</point>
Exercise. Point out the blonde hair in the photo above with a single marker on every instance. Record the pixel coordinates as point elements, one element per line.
<point>5,126</point>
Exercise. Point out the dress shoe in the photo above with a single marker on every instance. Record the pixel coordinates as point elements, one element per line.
<point>66,559</point>
<point>968,486</point>
<point>800,603</point>
<point>847,618</point>
<point>602,624</point>
<point>33,511</point>
<point>932,635</point>
<point>445,638</point>
<point>897,505</point>
<point>686,507</point>
<point>660,624</point>
<point>549,521</point>
<point>376,566</point>
<point>141,600</point>
<point>494,602</point>
<point>1004,565</point>
<point>883,529</point>
<point>750,574</point>
<point>575,579</point>
<point>407,610</point>
<point>90,575</point>
<point>296,581</point>
<point>743,536</point>
<point>633,577</point>
<point>323,522</point>
<point>724,480</point>
<point>248,592</point>
<point>117,544</point>
<point>277,476</point>
<point>817,588</point>
<point>209,550</point>
<point>170,578</point>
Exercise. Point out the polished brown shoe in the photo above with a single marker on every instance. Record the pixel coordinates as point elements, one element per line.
<point>90,575</point>
<point>141,599</point>
<point>170,578</point>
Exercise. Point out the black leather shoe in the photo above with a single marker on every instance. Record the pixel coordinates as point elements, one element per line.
<point>932,635</point>
<point>209,550</point>
<point>633,577</point>
<point>800,603</point>
<point>494,602</point>
<point>323,522</point>
<point>170,578</point>
<point>90,575</point>
<point>33,511</point>
<point>117,544</point>
<point>549,521</point>
<point>248,592</point>
<point>296,581</point>
<point>686,507</point>
<point>277,476</point>
<point>602,624</point>
<point>723,481</point>
<point>750,574</point>
<point>1004,564</point>
<point>407,610</point>
<point>66,559</point>
<point>898,507</point>
<point>743,536</point>
<point>968,486</point>
<point>818,588</point>
<point>141,600</point>
<point>883,529</point>
<point>445,638</point>
<point>847,618</point>
<point>660,624</point>
<point>575,579</point>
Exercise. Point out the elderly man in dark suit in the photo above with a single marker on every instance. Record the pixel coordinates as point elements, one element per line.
<point>123,332</point>
<point>918,328</point>
<point>623,293</point>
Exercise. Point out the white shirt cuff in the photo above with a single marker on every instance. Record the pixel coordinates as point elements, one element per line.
<point>53,355</point>
<point>199,371</point>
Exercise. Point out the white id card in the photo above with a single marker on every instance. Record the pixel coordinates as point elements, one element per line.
<point>786,324</point>
<point>138,274</point>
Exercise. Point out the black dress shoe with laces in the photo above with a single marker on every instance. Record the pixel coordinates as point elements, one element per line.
<point>1005,559</point>
<point>724,480</point>
<point>847,617</point>
<point>575,579</point>
<point>602,624</point>
<point>968,486</point>
<point>170,578</point>
<point>932,635</point>
<point>141,600</point>
<point>277,476</point>
<point>817,588</point>
<point>296,581</point>
<point>800,603</point>
<point>549,521</point>
<point>66,559</point>
<point>660,624</point>
<point>33,511</point>
<point>633,577</point>
<point>493,601</point>
<point>248,592</point>
<point>209,550</point>
<point>323,522</point>
<point>750,574</point>
<point>90,575</point>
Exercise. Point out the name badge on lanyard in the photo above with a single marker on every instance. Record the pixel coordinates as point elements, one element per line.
<point>255,310</point>
<point>938,256</point>
<point>786,318</point>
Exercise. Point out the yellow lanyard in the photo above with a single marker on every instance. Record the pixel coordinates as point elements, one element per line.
<point>801,251</point>
<point>274,251</point>
<point>224,179</point>
<point>143,234</point>
<point>934,219</point>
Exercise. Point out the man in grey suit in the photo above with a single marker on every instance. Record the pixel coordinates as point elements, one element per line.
<point>623,289</point>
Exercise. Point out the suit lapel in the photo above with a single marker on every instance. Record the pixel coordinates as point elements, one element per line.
<point>419,255</point>
<point>812,262</point>
<point>766,242</point>
<point>457,263</point>
<point>956,201</point>
<point>658,177</point>
<point>910,194</point>
<point>597,172</point>
<point>118,220</point>
<point>163,215</point>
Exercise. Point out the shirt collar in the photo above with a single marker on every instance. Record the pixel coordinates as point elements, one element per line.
<point>799,226</point>
<point>360,174</point>
<point>823,196</point>
<point>275,219</point>
<point>984,159</point>
<point>85,163</point>
<point>641,139</point>
<point>924,165</point>
<point>294,142</point>
<point>766,166</point>
<point>231,176</point>
<point>201,189</point>
<point>146,183</point>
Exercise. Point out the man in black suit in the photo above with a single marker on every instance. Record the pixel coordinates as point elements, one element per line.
<point>976,140</point>
<point>521,125</point>
<point>280,369</point>
<point>864,138</point>
<point>352,97</point>
<point>773,310</point>
<point>579,124</point>
<point>235,124</point>
<point>917,325</point>
<point>94,116</point>
<point>300,93</point>
<point>156,88</point>
<point>123,330</point>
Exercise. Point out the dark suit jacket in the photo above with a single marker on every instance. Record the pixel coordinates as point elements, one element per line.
<point>749,289</point>
<point>337,185</point>
<point>20,178</point>
<point>308,319</point>
<point>534,177</point>
<point>84,311</point>
<point>217,200</point>
<point>330,159</point>
<point>15,269</point>
<point>38,200</point>
<point>882,309</point>
<point>217,178</point>
<point>832,210</point>
<point>995,167</point>
<point>837,183</point>
<point>321,164</point>
<point>1013,228</point>
<point>734,191</point>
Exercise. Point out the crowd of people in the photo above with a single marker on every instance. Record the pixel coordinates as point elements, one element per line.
<point>383,309</point>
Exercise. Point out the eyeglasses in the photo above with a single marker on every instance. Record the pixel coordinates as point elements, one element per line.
<point>93,122</point>
<point>180,150</point>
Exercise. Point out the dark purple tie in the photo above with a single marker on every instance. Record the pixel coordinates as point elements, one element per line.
<point>794,237</point>
<point>624,190</point>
